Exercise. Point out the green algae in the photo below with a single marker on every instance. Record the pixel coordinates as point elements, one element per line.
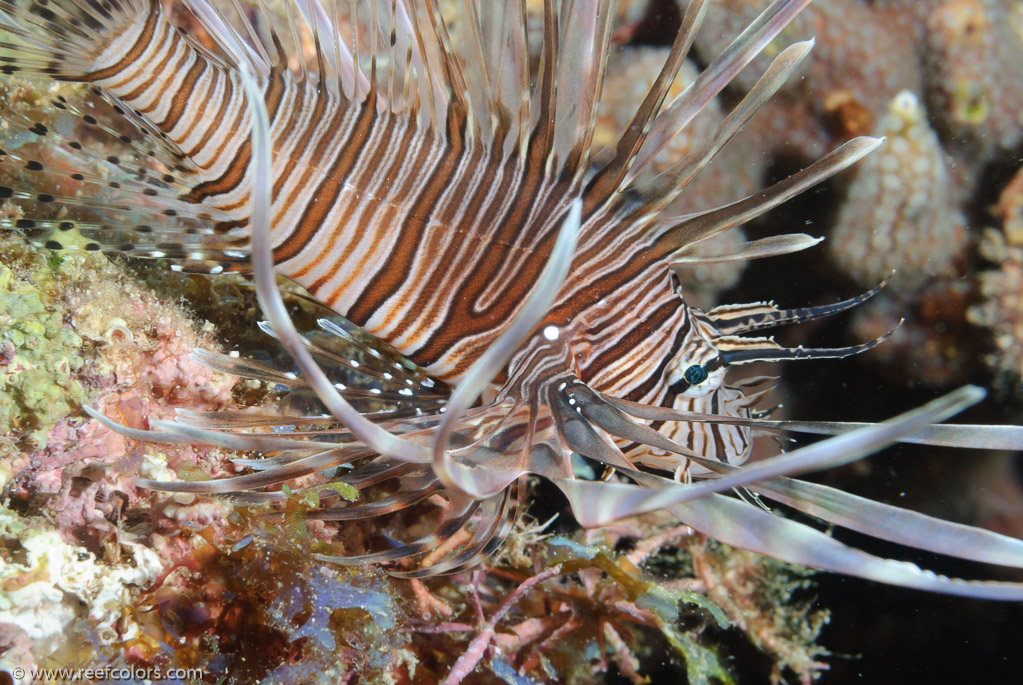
<point>40,352</point>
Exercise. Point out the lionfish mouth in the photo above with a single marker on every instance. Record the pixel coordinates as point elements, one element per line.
<point>580,231</point>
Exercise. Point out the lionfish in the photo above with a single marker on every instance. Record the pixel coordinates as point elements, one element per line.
<point>436,188</point>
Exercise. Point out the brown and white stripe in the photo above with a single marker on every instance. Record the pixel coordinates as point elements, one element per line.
<point>430,242</point>
<point>411,212</point>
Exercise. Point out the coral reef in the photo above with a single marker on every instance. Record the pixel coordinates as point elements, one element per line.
<point>52,589</point>
<point>734,580</point>
<point>78,330</point>
<point>1000,310</point>
<point>964,54</point>
<point>261,611</point>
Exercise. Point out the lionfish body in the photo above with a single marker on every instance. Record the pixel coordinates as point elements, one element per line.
<point>438,193</point>
<point>430,242</point>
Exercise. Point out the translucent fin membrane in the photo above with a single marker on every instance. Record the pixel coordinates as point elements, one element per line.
<point>773,246</point>
<point>890,523</point>
<point>732,521</point>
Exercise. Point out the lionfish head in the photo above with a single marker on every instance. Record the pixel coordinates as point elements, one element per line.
<point>696,376</point>
<point>698,368</point>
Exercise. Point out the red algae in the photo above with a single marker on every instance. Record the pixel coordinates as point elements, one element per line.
<point>261,611</point>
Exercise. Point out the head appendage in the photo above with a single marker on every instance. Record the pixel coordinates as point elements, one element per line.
<point>711,345</point>
<point>743,318</point>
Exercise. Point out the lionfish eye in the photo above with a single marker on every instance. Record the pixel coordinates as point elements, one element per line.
<point>695,374</point>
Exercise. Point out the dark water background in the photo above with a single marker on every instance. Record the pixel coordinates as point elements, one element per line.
<point>879,633</point>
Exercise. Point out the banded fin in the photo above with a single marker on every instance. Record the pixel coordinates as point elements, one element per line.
<point>616,160</point>
<point>837,451</point>
<point>97,181</point>
<point>586,31</point>
<point>63,39</point>
<point>946,435</point>
<point>887,522</point>
<point>245,50</point>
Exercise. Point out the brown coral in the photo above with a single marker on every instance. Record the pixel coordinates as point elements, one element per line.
<point>1001,312</point>
<point>901,211</point>
<point>973,57</point>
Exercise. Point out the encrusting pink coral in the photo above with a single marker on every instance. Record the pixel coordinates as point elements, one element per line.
<point>138,379</point>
